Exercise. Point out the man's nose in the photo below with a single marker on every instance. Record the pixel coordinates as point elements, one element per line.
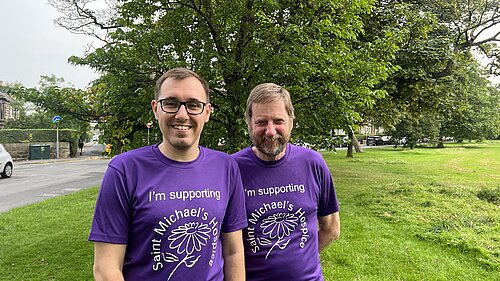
<point>270,130</point>
<point>182,112</point>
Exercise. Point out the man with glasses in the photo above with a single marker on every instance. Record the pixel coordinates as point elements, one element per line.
<point>175,210</point>
<point>292,207</point>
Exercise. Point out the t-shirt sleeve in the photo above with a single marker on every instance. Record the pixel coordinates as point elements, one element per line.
<point>235,217</point>
<point>112,210</point>
<point>328,203</point>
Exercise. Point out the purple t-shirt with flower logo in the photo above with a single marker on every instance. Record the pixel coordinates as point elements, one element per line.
<point>170,214</point>
<point>283,200</point>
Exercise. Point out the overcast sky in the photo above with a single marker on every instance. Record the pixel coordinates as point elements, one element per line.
<point>31,45</point>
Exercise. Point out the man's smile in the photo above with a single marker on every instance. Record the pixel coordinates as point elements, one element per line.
<point>181,127</point>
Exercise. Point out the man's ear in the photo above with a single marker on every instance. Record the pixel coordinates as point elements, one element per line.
<point>209,109</point>
<point>154,106</point>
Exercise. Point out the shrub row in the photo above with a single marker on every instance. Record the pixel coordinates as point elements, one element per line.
<point>37,135</point>
<point>40,135</point>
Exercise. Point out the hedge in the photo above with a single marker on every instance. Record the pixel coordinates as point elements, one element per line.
<point>37,135</point>
<point>40,135</point>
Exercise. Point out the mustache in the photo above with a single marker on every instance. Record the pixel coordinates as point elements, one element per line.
<point>180,122</point>
<point>274,138</point>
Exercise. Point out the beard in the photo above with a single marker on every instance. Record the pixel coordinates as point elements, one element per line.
<point>270,147</point>
<point>181,145</point>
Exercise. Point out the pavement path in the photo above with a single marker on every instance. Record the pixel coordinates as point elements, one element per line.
<point>36,180</point>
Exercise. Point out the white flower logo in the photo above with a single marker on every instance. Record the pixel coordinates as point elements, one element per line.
<point>279,225</point>
<point>189,237</point>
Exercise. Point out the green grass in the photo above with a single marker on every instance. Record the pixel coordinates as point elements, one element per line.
<point>48,240</point>
<point>422,214</point>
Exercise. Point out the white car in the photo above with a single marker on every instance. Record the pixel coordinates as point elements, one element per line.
<point>6,163</point>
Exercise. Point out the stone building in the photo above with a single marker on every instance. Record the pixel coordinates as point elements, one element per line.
<point>6,110</point>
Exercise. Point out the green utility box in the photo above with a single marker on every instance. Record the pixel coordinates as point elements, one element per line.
<point>39,151</point>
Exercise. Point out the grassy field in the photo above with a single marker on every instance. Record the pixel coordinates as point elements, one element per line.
<point>48,240</point>
<point>422,214</point>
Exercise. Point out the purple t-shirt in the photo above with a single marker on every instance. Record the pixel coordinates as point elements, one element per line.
<point>170,214</point>
<point>283,200</point>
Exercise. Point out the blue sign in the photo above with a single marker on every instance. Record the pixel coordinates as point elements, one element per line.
<point>56,118</point>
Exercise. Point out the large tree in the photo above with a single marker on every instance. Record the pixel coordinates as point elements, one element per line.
<point>310,47</point>
<point>439,38</point>
<point>472,111</point>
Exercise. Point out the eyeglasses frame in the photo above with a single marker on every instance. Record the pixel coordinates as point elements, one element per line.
<point>181,103</point>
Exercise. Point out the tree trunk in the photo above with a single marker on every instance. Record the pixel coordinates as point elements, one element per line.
<point>440,143</point>
<point>356,144</point>
<point>349,146</point>
<point>353,143</point>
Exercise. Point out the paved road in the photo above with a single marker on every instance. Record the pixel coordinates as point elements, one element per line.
<point>34,181</point>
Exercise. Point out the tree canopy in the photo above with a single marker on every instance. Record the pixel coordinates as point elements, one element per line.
<point>437,62</point>
<point>37,106</point>
<point>310,47</point>
<point>344,62</point>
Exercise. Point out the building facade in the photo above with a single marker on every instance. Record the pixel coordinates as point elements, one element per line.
<point>7,111</point>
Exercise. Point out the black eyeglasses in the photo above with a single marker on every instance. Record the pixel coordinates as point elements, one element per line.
<point>193,107</point>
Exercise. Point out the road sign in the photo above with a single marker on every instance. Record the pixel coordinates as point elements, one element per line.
<point>149,125</point>
<point>56,120</point>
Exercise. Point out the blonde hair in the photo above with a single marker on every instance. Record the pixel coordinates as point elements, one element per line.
<point>268,92</point>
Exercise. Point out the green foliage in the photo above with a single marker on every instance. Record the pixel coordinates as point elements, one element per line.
<point>37,135</point>
<point>37,106</point>
<point>472,111</point>
<point>409,131</point>
<point>437,71</point>
<point>308,47</point>
<point>344,62</point>
<point>36,120</point>
<point>467,109</point>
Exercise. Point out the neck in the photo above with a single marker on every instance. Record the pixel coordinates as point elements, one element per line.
<point>179,155</point>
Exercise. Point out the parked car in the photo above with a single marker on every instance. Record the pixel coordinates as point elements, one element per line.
<point>373,140</point>
<point>386,140</point>
<point>6,163</point>
<point>378,140</point>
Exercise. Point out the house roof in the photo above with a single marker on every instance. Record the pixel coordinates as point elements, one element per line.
<point>4,96</point>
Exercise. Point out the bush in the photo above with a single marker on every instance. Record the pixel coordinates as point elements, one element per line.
<point>37,135</point>
<point>41,135</point>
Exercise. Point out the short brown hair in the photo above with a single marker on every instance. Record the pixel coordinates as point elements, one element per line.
<point>268,92</point>
<point>180,73</point>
